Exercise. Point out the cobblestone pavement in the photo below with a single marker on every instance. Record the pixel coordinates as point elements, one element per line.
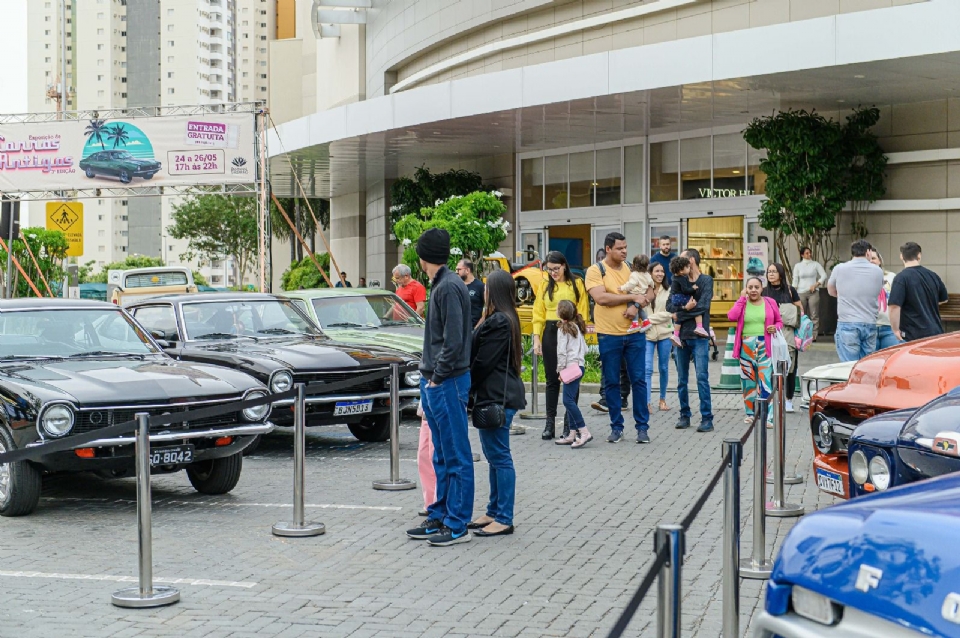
<point>583,541</point>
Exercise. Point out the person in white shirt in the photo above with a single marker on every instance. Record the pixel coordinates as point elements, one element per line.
<point>808,276</point>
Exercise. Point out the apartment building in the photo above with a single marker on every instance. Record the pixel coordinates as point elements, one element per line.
<point>122,53</point>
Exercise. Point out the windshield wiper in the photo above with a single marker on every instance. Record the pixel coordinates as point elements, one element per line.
<point>395,322</point>
<point>346,324</point>
<point>276,331</point>
<point>220,335</point>
<point>105,353</point>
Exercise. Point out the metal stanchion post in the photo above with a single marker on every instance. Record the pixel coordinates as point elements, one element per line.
<point>146,595</point>
<point>299,528</point>
<point>534,390</point>
<point>669,583</point>
<point>731,538</point>
<point>757,566</point>
<point>394,483</point>
<point>779,424</point>
<point>778,506</point>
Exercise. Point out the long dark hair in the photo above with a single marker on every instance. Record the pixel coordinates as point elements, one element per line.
<point>567,312</point>
<point>557,257</point>
<point>654,265</point>
<point>501,296</point>
<point>782,273</point>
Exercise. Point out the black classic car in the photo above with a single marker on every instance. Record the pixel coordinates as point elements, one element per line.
<point>119,164</point>
<point>72,367</point>
<point>271,339</point>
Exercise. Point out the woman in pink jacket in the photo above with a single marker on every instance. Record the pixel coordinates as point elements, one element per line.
<point>756,317</point>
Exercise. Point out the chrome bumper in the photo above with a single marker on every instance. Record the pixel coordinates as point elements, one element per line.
<point>253,429</point>
<point>855,624</point>
<point>405,393</point>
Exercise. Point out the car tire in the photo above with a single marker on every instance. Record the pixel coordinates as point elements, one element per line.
<point>21,493</point>
<point>250,449</point>
<point>372,429</point>
<point>89,173</point>
<point>217,476</point>
<point>125,177</point>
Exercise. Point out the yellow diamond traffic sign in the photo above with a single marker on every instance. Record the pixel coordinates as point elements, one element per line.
<point>68,218</point>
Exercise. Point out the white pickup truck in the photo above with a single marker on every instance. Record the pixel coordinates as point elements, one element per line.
<point>127,286</point>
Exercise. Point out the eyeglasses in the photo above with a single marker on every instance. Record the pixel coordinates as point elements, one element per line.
<point>554,269</point>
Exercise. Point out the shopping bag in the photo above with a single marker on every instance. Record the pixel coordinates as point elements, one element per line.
<point>804,334</point>
<point>779,351</point>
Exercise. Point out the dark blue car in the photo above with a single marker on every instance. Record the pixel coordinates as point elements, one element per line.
<point>887,566</point>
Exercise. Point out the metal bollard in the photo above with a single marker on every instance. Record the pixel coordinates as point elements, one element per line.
<point>394,483</point>
<point>669,582</point>
<point>146,595</point>
<point>778,506</point>
<point>779,426</point>
<point>299,528</point>
<point>757,566</point>
<point>534,390</point>
<point>731,538</point>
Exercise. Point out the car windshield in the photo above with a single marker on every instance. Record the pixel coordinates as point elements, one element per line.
<point>254,318</point>
<point>70,333</point>
<point>373,311</point>
<point>122,155</point>
<point>931,420</point>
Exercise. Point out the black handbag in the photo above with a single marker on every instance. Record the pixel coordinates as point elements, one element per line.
<point>490,416</point>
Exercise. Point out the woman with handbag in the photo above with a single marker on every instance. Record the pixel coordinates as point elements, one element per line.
<point>758,319</point>
<point>495,359</point>
<point>791,309</point>
<point>559,284</point>
<point>571,361</point>
<point>658,337</point>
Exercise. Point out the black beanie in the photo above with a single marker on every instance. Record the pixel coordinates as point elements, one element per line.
<point>434,246</point>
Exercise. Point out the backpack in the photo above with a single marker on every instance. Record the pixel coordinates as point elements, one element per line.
<point>804,334</point>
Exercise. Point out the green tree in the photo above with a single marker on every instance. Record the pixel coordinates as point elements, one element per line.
<point>50,249</point>
<point>303,221</point>
<point>217,226</point>
<point>304,274</point>
<point>410,196</point>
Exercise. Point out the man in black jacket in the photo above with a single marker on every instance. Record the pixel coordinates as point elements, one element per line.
<point>444,389</point>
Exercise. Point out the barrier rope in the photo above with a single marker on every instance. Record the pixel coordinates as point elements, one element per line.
<point>661,556</point>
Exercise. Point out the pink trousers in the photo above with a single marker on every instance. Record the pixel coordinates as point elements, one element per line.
<point>428,477</point>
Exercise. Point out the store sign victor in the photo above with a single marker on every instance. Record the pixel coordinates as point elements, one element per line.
<point>105,153</point>
<point>706,193</point>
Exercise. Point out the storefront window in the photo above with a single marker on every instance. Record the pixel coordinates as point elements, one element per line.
<point>608,177</point>
<point>581,179</point>
<point>555,189</point>
<point>664,161</point>
<point>531,184</point>
<point>756,179</point>
<point>632,174</point>
<point>729,166</point>
<point>695,168</point>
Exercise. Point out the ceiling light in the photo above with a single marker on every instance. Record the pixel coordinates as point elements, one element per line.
<point>436,132</point>
<point>736,172</point>
<point>841,101</point>
<point>859,77</point>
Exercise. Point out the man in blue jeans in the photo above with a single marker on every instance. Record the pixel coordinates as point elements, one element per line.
<point>695,347</point>
<point>856,284</point>
<point>444,389</point>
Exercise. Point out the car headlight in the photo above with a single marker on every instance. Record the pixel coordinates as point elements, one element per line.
<point>258,413</point>
<point>281,381</point>
<point>57,420</point>
<point>824,435</point>
<point>879,473</point>
<point>814,606</point>
<point>412,378</point>
<point>858,467</point>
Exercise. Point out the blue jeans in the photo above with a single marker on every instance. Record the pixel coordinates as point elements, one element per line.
<point>855,340</point>
<point>445,408</point>
<point>571,392</point>
<point>698,351</point>
<point>631,348</point>
<point>503,478</point>
<point>886,338</point>
<point>662,350</point>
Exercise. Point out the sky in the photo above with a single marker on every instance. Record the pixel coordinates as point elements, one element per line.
<point>13,52</point>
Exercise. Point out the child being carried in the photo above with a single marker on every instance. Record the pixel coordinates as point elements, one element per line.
<point>682,292</point>
<point>639,283</point>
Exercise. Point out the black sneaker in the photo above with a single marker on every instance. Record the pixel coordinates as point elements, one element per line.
<point>429,529</point>
<point>706,426</point>
<point>643,437</point>
<point>447,537</point>
<point>600,406</point>
<point>614,437</point>
<point>683,423</point>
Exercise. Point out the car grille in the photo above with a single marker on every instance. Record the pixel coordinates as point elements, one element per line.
<point>93,419</point>
<point>377,385</point>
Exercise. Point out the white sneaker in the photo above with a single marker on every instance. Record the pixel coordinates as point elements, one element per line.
<point>789,406</point>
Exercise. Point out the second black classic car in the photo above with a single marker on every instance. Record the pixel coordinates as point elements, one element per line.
<point>73,367</point>
<point>271,339</point>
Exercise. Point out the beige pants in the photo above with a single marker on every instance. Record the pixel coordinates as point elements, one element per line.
<point>811,306</point>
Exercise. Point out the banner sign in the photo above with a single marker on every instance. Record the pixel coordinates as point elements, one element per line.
<point>67,217</point>
<point>104,153</point>
<point>756,258</point>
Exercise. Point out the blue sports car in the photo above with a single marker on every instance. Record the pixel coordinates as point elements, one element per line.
<point>884,567</point>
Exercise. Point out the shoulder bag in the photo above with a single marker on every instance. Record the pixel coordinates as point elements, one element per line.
<point>490,416</point>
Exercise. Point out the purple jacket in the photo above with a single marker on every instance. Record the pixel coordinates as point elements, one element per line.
<point>738,312</point>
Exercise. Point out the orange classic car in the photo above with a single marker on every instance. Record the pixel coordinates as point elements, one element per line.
<point>904,376</point>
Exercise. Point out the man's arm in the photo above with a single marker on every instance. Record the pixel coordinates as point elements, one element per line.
<point>704,296</point>
<point>895,321</point>
<point>832,284</point>
<point>608,299</point>
<point>421,307</point>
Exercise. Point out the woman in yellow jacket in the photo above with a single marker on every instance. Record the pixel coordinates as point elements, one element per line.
<point>559,285</point>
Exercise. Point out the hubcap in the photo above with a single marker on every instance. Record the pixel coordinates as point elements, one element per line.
<point>4,477</point>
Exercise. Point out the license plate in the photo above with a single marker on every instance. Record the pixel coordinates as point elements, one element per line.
<point>174,455</point>
<point>830,482</point>
<point>346,408</point>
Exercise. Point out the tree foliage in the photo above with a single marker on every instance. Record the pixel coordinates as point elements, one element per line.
<point>50,249</point>
<point>217,226</point>
<point>304,274</point>
<point>475,223</point>
<point>410,196</point>
<point>304,222</point>
<point>814,167</point>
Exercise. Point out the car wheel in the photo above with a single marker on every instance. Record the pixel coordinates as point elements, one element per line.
<point>525,292</point>
<point>19,483</point>
<point>372,429</point>
<point>218,476</point>
<point>125,177</point>
<point>89,173</point>
<point>250,449</point>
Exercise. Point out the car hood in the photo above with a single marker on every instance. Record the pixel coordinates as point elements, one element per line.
<point>120,381</point>
<point>138,162</point>
<point>409,340</point>
<point>837,372</point>
<point>906,538</point>
<point>903,376</point>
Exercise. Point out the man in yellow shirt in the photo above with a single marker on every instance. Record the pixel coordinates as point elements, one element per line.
<point>612,315</point>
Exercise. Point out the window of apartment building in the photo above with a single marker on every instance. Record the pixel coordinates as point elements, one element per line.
<point>169,59</point>
<point>694,166</point>
<point>99,31</point>
<point>99,47</point>
<point>46,46</point>
<point>245,87</point>
<point>46,18</point>
<point>101,249</point>
<point>664,162</point>
<point>47,60</point>
<point>123,33</point>
<point>100,217</point>
<point>263,37</point>
<point>170,12</point>
<point>246,35</point>
<point>46,32</point>
<point>123,95</point>
<point>99,78</point>
<point>169,27</point>
<point>555,182</point>
<point>263,89</point>
<point>100,93</point>
<point>169,74</point>
<point>633,174</point>
<point>170,43</point>
<point>101,233</point>
<point>170,91</point>
<point>245,74</point>
<point>263,76</point>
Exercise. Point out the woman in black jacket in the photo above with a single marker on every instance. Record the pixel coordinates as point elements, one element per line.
<point>495,360</point>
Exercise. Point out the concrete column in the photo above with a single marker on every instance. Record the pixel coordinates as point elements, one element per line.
<point>380,258</point>
<point>348,234</point>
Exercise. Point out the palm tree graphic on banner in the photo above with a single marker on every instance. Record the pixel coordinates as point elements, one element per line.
<point>118,135</point>
<point>95,131</point>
